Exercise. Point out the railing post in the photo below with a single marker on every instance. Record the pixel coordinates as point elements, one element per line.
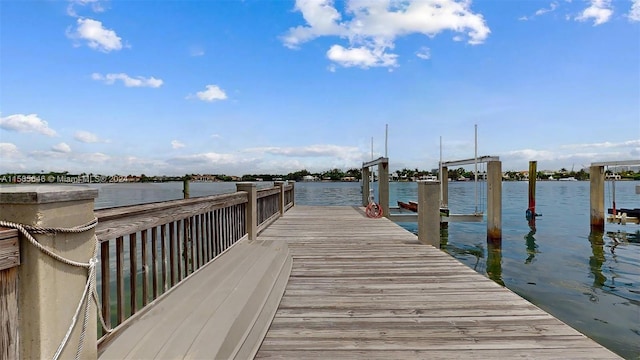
<point>252,208</point>
<point>281,203</point>
<point>429,212</point>
<point>293,193</point>
<point>51,290</point>
<point>596,198</point>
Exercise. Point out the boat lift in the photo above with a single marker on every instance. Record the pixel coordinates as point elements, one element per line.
<point>477,216</point>
<point>596,196</point>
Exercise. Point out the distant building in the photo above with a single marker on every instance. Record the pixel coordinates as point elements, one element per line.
<point>309,178</point>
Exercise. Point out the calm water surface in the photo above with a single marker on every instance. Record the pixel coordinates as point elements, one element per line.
<point>591,281</point>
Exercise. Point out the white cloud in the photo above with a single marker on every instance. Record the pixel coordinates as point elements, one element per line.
<point>61,148</point>
<point>216,136</point>
<point>350,155</point>
<point>95,5</point>
<point>26,124</point>
<point>9,151</point>
<point>362,57</point>
<point>373,26</point>
<point>634,12</point>
<point>573,155</point>
<point>128,81</point>
<point>212,93</point>
<point>175,144</point>
<point>424,53</point>
<point>543,11</point>
<point>196,51</point>
<point>599,10</point>
<point>87,137</point>
<point>97,36</point>
<point>93,157</point>
<point>604,145</point>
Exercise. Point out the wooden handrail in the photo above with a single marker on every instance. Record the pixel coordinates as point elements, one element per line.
<point>114,222</point>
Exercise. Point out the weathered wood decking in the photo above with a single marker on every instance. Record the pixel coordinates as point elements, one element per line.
<point>367,289</point>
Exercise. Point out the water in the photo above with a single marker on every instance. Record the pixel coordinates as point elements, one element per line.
<point>590,281</point>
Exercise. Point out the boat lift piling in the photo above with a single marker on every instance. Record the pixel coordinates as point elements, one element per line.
<point>596,191</point>
<point>531,214</point>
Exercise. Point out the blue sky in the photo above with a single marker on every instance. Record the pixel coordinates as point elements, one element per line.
<point>239,87</point>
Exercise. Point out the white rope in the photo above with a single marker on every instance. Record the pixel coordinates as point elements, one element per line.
<point>89,288</point>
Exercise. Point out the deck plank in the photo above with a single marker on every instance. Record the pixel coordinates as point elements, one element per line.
<point>365,288</point>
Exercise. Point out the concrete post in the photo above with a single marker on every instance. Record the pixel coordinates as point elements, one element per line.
<point>596,198</point>
<point>429,213</point>
<point>494,201</point>
<point>366,174</point>
<point>252,208</point>
<point>281,204</point>
<point>383,186</point>
<point>444,178</point>
<point>50,290</point>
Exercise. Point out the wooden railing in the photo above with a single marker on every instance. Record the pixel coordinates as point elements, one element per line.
<point>147,249</point>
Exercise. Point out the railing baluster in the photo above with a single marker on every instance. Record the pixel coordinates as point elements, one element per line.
<point>193,242</point>
<point>133,269</point>
<point>185,247</point>
<point>207,231</point>
<point>145,267</point>
<point>229,237</point>
<point>172,253</point>
<point>119,279</point>
<point>200,239</point>
<point>154,259</point>
<point>216,233</point>
<point>106,282</point>
<point>163,253</point>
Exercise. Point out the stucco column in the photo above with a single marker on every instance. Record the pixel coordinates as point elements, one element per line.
<point>50,290</point>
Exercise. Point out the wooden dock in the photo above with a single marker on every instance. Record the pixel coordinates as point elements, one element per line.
<point>365,288</point>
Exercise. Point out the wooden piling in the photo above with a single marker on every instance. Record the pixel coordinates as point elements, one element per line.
<point>596,197</point>
<point>366,174</point>
<point>444,195</point>
<point>185,186</point>
<point>494,201</point>
<point>532,187</point>
<point>383,186</point>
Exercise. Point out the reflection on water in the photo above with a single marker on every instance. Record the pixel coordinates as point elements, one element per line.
<point>597,258</point>
<point>532,248</point>
<point>494,261</point>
